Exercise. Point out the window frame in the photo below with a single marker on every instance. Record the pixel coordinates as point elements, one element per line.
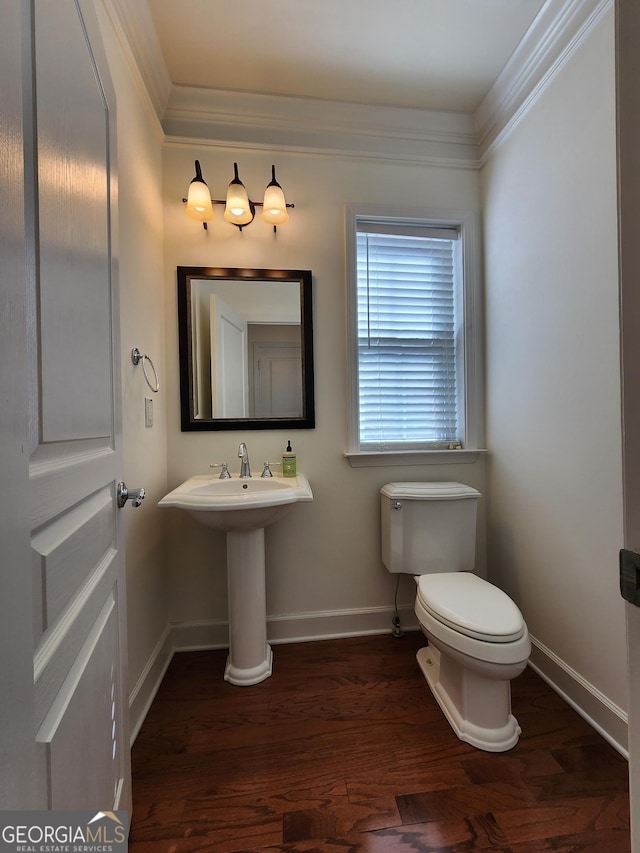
<point>468,225</point>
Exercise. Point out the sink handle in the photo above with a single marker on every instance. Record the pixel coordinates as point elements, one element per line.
<point>224,474</point>
<point>266,471</point>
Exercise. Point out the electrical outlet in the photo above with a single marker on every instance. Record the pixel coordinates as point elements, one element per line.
<point>148,412</point>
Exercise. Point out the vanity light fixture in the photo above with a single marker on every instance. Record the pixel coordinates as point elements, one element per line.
<point>239,210</point>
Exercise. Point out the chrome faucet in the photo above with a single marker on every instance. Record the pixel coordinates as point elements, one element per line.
<point>243,453</point>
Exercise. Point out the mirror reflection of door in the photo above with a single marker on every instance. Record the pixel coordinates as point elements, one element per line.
<point>229,378</point>
<point>276,371</point>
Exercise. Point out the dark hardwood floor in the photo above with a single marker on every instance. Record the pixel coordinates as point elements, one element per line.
<point>344,750</point>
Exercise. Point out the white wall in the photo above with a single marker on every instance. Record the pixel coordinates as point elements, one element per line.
<point>553,406</point>
<point>140,224</point>
<point>324,558</point>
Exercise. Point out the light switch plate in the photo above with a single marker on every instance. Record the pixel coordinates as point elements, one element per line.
<point>148,412</point>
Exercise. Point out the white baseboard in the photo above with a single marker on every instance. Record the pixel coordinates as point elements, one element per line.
<point>606,718</point>
<point>296,627</point>
<point>146,687</point>
<point>196,636</point>
<point>328,625</point>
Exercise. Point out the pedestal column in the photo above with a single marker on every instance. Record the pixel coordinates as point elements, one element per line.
<point>250,656</point>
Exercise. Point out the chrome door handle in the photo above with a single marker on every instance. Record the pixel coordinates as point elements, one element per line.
<point>136,496</point>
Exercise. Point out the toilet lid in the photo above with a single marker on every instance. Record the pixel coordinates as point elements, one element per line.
<point>471,605</point>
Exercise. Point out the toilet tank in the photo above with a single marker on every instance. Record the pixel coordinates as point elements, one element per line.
<point>428,527</point>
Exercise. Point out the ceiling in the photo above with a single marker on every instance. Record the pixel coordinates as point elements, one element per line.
<point>418,54</point>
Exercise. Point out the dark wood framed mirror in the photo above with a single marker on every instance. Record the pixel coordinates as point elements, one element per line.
<point>246,349</point>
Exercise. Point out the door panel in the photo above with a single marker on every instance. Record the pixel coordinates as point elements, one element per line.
<point>84,705</point>
<point>73,214</point>
<point>65,547</point>
<point>59,648</point>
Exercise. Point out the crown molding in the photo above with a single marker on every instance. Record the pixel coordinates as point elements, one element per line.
<point>220,117</point>
<point>136,33</point>
<point>559,28</point>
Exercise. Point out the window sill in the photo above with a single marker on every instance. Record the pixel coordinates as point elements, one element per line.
<point>373,459</point>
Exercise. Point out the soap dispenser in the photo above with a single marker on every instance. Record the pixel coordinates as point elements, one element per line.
<point>289,462</point>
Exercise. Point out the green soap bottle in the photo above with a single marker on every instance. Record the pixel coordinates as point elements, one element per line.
<point>289,462</point>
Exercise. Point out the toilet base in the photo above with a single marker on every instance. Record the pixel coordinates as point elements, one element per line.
<point>478,709</point>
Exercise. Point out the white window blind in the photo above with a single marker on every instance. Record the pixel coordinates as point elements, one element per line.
<point>407,348</point>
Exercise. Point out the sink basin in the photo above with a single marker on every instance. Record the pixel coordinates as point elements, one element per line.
<point>238,505</point>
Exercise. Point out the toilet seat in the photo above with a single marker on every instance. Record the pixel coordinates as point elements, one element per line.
<point>459,644</point>
<point>471,606</point>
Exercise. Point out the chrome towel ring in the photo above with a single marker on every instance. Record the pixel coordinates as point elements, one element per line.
<point>136,358</point>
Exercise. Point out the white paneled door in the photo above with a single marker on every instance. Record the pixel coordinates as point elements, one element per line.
<point>64,740</point>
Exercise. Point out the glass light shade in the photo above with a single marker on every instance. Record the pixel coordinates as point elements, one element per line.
<point>274,210</point>
<point>238,207</point>
<point>199,205</point>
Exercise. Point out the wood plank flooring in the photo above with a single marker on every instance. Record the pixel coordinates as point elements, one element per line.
<point>344,750</point>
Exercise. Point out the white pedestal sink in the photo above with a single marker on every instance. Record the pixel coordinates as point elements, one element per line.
<point>243,508</point>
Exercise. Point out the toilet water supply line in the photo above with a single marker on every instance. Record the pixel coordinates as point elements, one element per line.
<point>398,633</point>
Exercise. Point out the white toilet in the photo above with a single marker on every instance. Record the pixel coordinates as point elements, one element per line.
<point>478,640</point>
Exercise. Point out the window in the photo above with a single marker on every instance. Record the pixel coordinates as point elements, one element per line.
<point>412,350</point>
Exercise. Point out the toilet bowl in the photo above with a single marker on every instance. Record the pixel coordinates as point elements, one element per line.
<point>478,642</point>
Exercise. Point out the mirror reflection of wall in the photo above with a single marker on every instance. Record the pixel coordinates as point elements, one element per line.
<point>247,349</point>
